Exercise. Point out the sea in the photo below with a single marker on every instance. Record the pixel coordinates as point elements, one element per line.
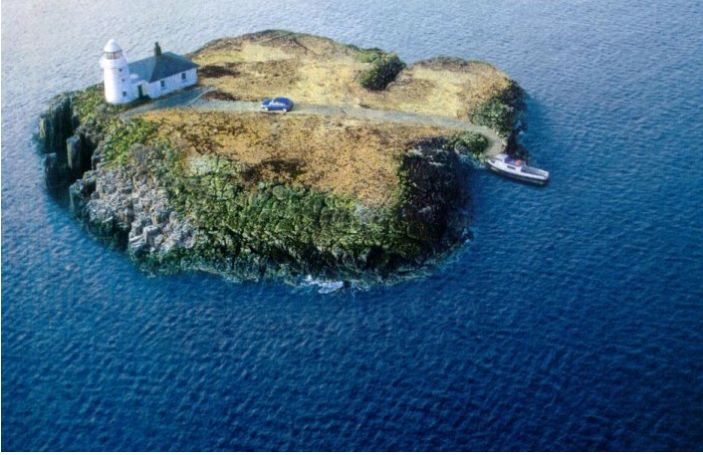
<point>572,321</point>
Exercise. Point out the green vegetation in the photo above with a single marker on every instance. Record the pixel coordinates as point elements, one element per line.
<point>468,142</point>
<point>366,55</point>
<point>494,114</point>
<point>500,111</point>
<point>121,136</point>
<point>293,226</point>
<point>268,227</point>
<point>384,69</point>
<point>89,104</point>
<point>86,103</point>
<point>222,194</point>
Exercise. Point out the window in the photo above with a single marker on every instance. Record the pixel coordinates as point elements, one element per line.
<point>163,84</point>
<point>113,55</point>
<point>124,94</point>
<point>183,76</point>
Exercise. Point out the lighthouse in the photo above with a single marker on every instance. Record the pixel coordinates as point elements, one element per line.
<point>151,77</point>
<point>118,86</point>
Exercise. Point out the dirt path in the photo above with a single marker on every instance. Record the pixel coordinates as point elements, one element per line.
<point>193,99</point>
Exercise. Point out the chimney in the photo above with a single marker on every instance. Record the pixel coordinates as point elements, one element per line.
<point>157,49</point>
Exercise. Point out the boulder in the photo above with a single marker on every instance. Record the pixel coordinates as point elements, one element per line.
<point>150,233</point>
<point>136,246</point>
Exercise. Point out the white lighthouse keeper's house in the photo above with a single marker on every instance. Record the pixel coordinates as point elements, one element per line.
<point>152,77</point>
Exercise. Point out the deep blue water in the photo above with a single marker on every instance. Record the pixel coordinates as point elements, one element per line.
<point>574,320</point>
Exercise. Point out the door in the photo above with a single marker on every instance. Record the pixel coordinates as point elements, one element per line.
<point>141,91</point>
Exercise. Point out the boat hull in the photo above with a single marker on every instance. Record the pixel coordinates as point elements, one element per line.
<point>518,177</point>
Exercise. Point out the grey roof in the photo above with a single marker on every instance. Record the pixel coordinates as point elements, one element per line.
<point>154,68</point>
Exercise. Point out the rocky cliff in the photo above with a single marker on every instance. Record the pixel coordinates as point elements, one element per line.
<point>219,193</point>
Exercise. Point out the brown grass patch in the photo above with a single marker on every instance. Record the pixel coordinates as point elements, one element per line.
<point>219,95</point>
<point>316,70</point>
<point>346,156</point>
<point>215,71</point>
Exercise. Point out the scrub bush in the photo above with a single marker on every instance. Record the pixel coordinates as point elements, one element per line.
<point>383,71</point>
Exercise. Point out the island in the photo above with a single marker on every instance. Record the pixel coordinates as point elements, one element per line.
<point>364,180</point>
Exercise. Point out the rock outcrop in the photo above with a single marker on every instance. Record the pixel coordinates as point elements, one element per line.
<point>56,125</point>
<point>130,209</point>
<point>67,144</point>
<point>271,230</point>
<point>232,195</point>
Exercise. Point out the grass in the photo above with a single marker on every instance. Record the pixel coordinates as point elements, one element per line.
<point>323,192</point>
<point>119,136</point>
<point>345,156</point>
<point>89,104</point>
<point>366,55</point>
<point>287,224</point>
<point>316,70</point>
<point>274,227</point>
<point>123,135</point>
<point>86,102</point>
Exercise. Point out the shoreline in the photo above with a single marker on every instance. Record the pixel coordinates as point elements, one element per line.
<point>134,184</point>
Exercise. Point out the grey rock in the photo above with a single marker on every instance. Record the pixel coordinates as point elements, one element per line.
<point>56,125</point>
<point>161,215</point>
<point>158,240</point>
<point>150,233</point>
<point>55,172</point>
<point>136,245</point>
<point>74,153</point>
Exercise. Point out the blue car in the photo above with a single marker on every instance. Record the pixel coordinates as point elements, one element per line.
<point>277,104</point>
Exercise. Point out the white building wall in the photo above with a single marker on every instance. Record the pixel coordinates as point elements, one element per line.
<point>172,83</point>
<point>118,86</point>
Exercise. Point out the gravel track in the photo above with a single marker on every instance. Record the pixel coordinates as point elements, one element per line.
<point>193,99</point>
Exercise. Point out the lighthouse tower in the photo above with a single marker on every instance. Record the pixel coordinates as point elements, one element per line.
<point>118,86</point>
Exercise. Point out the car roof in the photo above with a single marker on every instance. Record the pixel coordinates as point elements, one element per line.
<point>282,99</point>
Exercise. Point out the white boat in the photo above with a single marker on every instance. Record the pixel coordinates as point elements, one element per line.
<point>517,169</point>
